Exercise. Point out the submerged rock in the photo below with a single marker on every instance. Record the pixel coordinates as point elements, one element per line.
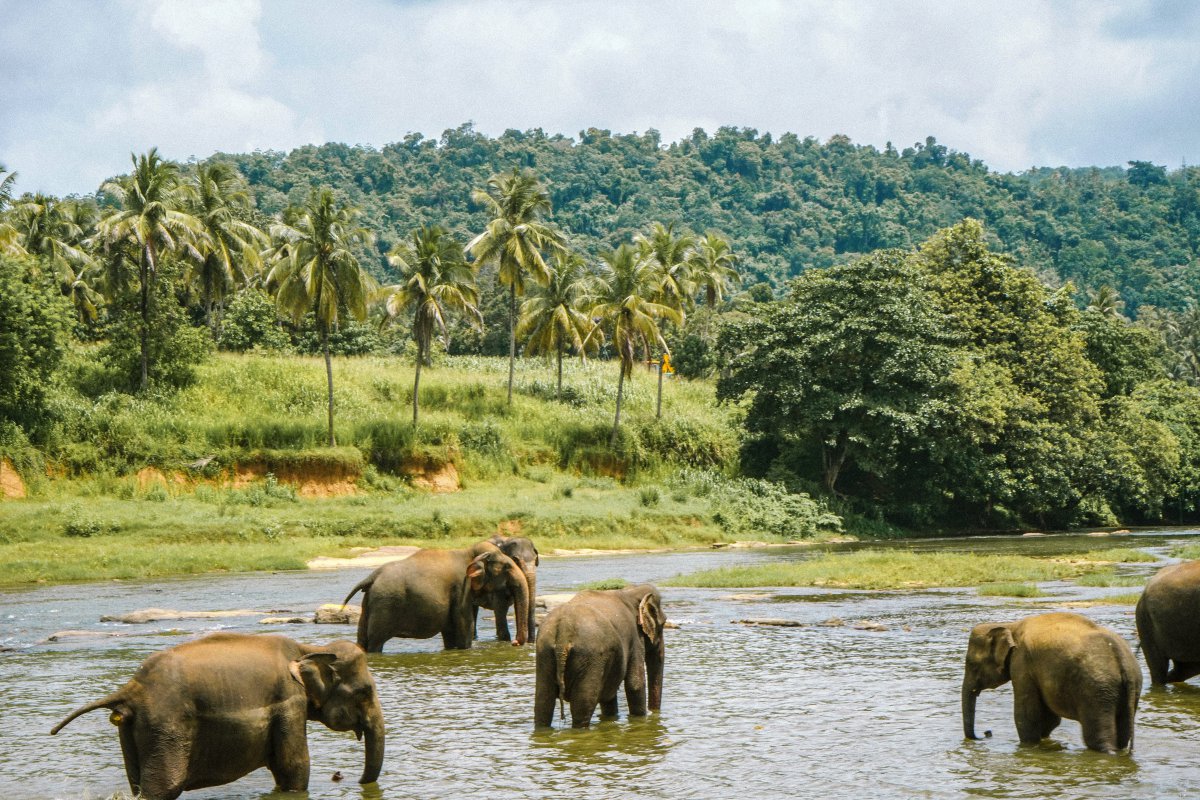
<point>158,614</point>
<point>552,601</point>
<point>284,620</point>
<point>337,614</point>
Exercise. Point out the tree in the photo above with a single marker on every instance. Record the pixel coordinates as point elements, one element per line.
<point>56,232</point>
<point>672,257</point>
<point>314,269</point>
<point>515,240</point>
<point>230,252</point>
<point>556,316</point>
<point>435,281</point>
<point>32,341</point>
<point>849,370</point>
<point>10,243</point>
<point>624,291</point>
<point>713,269</point>
<point>1106,301</point>
<point>151,221</point>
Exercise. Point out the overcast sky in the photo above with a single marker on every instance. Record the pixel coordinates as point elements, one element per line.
<point>1018,84</point>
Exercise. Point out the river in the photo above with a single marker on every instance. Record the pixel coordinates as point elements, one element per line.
<point>821,711</point>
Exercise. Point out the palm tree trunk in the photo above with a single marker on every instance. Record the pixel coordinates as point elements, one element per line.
<point>328,380</point>
<point>147,271</point>
<point>617,421</point>
<point>417,380</point>
<point>558,396</point>
<point>658,406</point>
<point>512,336</point>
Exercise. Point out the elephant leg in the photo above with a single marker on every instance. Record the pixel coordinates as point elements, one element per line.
<point>164,774</point>
<point>288,761</point>
<point>583,705</point>
<point>1034,719</point>
<point>608,708</point>
<point>545,695</point>
<point>1156,661</point>
<point>1100,728</point>
<point>1183,670</point>
<point>457,634</point>
<point>635,689</point>
<point>129,753</point>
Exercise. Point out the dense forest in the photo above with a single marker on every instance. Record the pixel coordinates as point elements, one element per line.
<point>786,204</point>
<point>906,335</point>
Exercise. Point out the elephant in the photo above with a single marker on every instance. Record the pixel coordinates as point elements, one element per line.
<point>592,644</point>
<point>523,552</point>
<point>1168,623</point>
<point>1060,665</point>
<point>207,712</point>
<point>437,591</point>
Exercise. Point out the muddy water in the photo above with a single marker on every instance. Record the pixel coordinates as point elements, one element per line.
<point>823,710</point>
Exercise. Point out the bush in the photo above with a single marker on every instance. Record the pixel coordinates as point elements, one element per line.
<point>755,507</point>
<point>31,343</point>
<point>251,322</point>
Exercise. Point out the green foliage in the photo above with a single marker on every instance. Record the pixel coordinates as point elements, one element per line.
<point>250,322</point>
<point>32,339</point>
<point>604,583</point>
<point>1010,590</point>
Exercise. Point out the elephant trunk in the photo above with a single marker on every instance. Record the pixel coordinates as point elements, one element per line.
<point>654,673</point>
<point>521,600</point>
<point>969,693</point>
<point>531,579</point>
<point>373,735</point>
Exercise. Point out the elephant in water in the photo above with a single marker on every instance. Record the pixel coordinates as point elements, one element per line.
<point>1060,665</point>
<point>1168,623</point>
<point>208,712</point>
<point>591,645</point>
<point>525,555</point>
<point>438,591</point>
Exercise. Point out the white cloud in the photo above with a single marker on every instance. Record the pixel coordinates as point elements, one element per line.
<point>1046,82</point>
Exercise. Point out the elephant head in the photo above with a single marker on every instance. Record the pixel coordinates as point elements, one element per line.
<point>988,653</point>
<point>651,621</point>
<point>341,695</point>
<point>493,571</point>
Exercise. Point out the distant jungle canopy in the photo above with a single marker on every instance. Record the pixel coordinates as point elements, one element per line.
<point>787,204</point>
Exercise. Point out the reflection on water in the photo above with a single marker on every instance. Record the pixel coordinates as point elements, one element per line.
<point>748,712</point>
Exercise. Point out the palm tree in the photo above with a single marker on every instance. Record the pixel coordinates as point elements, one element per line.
<point>556,315</point>
<point>624,289</point>
<point>1107,302</point>
<point>713,268</point>
<point>231,253</point>
<point>314,269</point>
<point>55,231</point>
<point>671,256</point>
<point>514,241</point>
<point>9,242</point>
<point>151,220</point>
<point>435,280</point>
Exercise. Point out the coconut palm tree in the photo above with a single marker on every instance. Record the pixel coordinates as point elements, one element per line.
<point>515,240</point>
<point>10,243</point>
<point>671,256</point>
<point>1106,301</point>
<point>625,289</point>
<point>314,269</point>
<point>713,269</point>
<point>55,231</point>
<point>435,281</point>
<point>555,316</point>
<point>151,220</point>
<point>231,253</point>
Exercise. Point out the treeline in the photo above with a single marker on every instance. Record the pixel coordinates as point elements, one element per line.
<point>944,386</point>
<point>786,204</point>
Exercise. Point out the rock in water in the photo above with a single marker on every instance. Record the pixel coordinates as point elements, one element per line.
<point>336,614</point>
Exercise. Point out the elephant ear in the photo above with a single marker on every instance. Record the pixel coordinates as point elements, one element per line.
<point>477,572</point>
<point>650,617</point>
<point>315,673</point>
<point>1002,644</point>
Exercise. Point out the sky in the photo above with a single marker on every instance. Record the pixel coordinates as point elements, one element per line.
<point>1016,83</point>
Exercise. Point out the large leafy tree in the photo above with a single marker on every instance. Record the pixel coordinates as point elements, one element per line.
<point>151,220</point>
<point>849,370</point>
<point>557,316</point>
<point>32,341</point>
<point>435,281</point>
<point>625,292</point>
<point>230,252</point>
<point>515,240</point>
<point>314,269</point>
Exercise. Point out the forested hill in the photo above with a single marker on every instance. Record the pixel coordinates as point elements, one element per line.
<point>787,204</point>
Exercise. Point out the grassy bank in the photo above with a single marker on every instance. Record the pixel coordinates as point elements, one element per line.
<point>899,569</point>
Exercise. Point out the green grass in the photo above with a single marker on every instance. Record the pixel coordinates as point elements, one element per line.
<point>892,569</point>
<point>606,583</point>
<point>1010,590</point>
<point>1109,578</point>
<point>1187,552</point>
<point>1118,555</point>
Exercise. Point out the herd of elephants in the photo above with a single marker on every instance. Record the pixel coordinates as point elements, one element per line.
<point>210,711</point>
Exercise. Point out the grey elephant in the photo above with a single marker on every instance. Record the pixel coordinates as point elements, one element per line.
<point>525,555</point>
<point>438,591</point>
<point>1060,665</point>
<point>208,712</point>
<point>593,644</point>
<point>1168,623</point>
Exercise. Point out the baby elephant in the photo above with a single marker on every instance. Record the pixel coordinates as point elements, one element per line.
<point>1060,665</point>
<point>591,645</point>
<point>207,712</point>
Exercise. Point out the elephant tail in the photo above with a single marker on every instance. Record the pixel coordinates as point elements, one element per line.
<point>561,655</point>
<point>361,586</point>
<point>1127,708</point>
<point>115,701</point>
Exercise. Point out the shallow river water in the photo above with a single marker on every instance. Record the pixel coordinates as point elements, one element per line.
<point>822,711</point>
